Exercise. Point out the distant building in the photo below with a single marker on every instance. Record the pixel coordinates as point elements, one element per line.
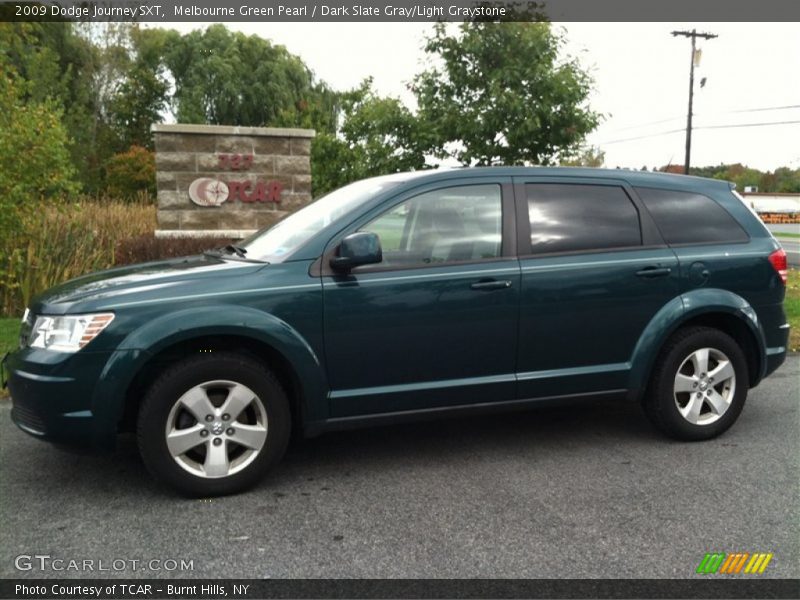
<point>774,208</point>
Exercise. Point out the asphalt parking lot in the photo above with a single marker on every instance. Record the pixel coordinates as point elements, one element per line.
<point>588,490</point>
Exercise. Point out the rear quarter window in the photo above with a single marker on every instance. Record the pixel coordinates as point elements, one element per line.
<point>690,218</point>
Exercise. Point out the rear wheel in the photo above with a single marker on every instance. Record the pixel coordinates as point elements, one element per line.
<point>213,425</point>
<point>699,385</point>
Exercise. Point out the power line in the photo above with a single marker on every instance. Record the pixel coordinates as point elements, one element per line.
<point>744,110</point>
<point>748,125</point>
<point>727,112</point>
<point>671,131</point>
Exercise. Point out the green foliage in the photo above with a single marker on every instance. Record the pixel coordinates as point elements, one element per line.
<point>54,66</point>
<point>132,174</point>
<point>782,180</point>
<point>502,94</point>
<point>587,156</point>
<point>376,136</point>
<point>34,160</point>
<point>9,334</point>
<point>223,77</point>
<point>142,95</point>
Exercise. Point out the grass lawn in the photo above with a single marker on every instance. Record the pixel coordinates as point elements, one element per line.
<point>9,334</point>
<point>9,338</point>
<point>792,307</point>
<point>785,234</point>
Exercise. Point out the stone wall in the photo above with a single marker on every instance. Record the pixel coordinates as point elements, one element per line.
<point>229,181</point>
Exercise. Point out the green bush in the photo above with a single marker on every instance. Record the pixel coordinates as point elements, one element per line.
<point>34,156</point>
<point>131,175</point>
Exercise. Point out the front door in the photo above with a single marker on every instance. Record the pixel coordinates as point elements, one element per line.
<point>434,324</point>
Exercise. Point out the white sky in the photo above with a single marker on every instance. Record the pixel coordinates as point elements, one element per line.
<point>641,76</point>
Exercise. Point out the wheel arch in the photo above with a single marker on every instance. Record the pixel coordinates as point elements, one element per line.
<point>167,339</point>
<point>719,309</point>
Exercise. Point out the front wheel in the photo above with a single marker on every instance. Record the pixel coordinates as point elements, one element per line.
<point>213,424</point>
<point>699,385</point>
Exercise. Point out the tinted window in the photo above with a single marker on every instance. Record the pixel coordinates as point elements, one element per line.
<point>686,218</point>
<point>570,217</point>
<point>447,225</point>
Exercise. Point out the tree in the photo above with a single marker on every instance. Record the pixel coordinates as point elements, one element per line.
<point>222,77</point>
<point>142,96</point>
<point>53,66</point>
<point>376,136</point>
<point>587,156</point>
<point>34,155</point>
<point>502,94</point>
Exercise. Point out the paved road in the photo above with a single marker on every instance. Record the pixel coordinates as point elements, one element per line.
<point>581,491</point>
<point>778,228</point>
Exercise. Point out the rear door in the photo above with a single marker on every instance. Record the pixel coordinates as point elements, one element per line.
<point>594,273</point>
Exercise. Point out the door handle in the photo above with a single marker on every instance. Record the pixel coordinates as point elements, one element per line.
<point>492,284</point>
<point>654,272</point>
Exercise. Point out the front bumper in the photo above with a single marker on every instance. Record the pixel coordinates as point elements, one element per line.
<point>54,397</point>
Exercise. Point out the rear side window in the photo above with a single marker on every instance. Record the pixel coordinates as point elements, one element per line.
<point>687,218</point>
<point>575,217</point>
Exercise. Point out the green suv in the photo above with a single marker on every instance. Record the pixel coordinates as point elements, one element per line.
<point>414,295</point>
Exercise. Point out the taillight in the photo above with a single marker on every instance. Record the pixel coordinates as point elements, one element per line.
<point>778,261</point>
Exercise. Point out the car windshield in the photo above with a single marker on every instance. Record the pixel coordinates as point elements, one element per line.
<point>278,242</point>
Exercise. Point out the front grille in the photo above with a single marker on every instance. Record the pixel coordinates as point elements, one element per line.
<point>27,417</point>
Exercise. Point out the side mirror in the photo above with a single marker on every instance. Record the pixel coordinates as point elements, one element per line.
<point>360,248</point>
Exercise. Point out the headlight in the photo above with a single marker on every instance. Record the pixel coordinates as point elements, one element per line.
<point>67,333</point>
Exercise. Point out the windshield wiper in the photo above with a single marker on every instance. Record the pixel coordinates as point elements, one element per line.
<point>232,250</point>
<point>237,250</point>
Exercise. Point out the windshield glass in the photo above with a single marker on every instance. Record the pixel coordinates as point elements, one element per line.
<point>279,241</point>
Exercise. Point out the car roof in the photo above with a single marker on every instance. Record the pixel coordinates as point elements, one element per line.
<point>635,178</point>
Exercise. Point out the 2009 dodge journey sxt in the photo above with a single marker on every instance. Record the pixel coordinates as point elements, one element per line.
<point>412,295</point>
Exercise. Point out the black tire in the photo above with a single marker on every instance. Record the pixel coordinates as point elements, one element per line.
<point>659,401</point>
<point>182,377</point>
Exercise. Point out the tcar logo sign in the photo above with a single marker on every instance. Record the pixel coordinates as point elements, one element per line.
<point>208,192</point>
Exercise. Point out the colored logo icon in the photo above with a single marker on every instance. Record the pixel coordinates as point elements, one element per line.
<point>206,191</point>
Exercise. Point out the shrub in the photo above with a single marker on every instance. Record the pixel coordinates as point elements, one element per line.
<point>131,174</point>
<point>34,155</point>
<point>59,241</point>
<point>147,247</point>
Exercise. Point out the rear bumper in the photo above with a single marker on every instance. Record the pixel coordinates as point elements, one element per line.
<point>53,398</point>
<point>776,355</point>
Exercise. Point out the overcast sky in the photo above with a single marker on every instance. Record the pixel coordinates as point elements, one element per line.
<point>641,77</point>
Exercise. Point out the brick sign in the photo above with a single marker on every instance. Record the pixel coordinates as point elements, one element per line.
<point>229,181</point>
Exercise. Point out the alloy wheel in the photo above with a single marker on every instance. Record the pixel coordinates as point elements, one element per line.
<point>704,386</point>
<point>216,429</point>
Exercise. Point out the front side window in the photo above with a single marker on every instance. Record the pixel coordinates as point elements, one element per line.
<point>456,224</point>
<point>576,217</point>
<point>687,218</point>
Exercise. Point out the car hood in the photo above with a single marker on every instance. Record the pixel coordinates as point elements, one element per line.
<point>121,284</point>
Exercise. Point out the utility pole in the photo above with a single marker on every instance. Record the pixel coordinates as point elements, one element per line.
<point>694,35</point>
